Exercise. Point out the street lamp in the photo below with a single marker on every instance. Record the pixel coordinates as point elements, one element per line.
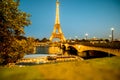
<point>112,36</point>
<point>86,36</point>
<point>76,37</point>
<point>94,38</point>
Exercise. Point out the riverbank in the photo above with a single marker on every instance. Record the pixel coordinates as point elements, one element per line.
<point>37,59</point>
<point>107,68</point>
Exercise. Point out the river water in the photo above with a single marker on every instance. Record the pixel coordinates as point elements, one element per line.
<point>48,50</point>
<point>44,51</point>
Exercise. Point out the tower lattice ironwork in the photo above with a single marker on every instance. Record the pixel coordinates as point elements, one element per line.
<point>57,31</point>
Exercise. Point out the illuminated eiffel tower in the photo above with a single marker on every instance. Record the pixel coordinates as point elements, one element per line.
<point>57,31</point>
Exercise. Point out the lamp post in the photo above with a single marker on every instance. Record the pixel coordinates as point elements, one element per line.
<point>86,36</point>
<point>112,35</point>
<point>70,39</point>
<point>94,38</point>
<point>76,37</point>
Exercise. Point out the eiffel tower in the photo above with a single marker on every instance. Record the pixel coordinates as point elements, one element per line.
<point>57,31</point>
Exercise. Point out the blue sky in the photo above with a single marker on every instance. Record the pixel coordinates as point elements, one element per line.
<point>77,17</point>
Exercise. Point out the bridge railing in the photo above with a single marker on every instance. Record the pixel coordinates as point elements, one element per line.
<point>111,45</point>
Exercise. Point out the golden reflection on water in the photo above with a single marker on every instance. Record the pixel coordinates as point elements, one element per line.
<point>54,50</point>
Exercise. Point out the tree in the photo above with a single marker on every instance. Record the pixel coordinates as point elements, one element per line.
<point>30,45</point>
<point>44,40</point>
<point>12,23</point>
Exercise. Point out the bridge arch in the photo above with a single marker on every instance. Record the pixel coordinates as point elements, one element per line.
<point>88,52</point>
<point>82,48</point>
<point>72,50</point>
<point>95,54</point>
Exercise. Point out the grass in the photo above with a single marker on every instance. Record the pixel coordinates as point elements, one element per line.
<point>92,69</point>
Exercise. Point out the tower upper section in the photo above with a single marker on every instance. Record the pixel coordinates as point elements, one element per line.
<point>57,19</point>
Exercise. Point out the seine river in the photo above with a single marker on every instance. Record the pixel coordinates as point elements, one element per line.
<point>44,51</point>
<point>48,50</point>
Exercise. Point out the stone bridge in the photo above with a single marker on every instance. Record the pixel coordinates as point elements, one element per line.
<point>82,48</point>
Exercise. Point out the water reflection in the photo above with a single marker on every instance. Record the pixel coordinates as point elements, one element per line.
<point>42,50</point>
<point>54,50</point>
<point>48,50</point>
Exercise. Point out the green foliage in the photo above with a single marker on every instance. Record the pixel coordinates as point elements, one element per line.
<point>12,23</point>
<point>30,45</point>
